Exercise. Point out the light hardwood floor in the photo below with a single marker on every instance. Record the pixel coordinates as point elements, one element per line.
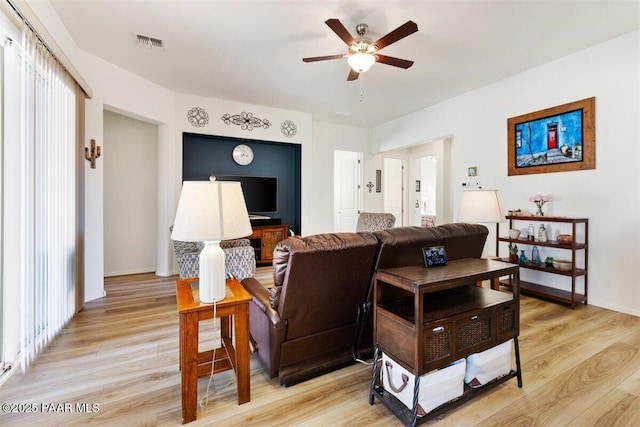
<point>580,368</point>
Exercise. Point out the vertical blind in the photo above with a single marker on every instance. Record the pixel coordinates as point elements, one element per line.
<point>48,204</point>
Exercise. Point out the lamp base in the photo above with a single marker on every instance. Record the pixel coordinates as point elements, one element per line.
<point>213,283</point>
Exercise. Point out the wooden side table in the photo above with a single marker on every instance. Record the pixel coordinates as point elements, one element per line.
<point>194,364</point>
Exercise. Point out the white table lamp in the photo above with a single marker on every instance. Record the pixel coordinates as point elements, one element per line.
<point>211,211</point>
<point>481,206</point>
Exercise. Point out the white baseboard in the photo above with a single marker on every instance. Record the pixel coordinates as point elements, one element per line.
<point>127,272</point>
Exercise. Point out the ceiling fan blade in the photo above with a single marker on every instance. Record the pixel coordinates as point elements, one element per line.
<point>396,62</point>
<point>322,58</point>
<point>401,32</point>
<point>353,75</point>
<point>340,30</point>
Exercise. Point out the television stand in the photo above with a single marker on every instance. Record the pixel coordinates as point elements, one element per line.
<point>267,233</point>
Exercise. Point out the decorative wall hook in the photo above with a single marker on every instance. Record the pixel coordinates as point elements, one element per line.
<point>93,154</point>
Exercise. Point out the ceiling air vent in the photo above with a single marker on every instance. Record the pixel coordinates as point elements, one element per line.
<point>149,42</point>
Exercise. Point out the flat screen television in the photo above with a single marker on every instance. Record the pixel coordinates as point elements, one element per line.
<point>260,193</point>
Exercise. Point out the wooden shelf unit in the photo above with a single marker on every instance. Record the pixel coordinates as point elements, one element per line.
<point>427,318</point>
<point>571,297</point>
<point>265,238</point>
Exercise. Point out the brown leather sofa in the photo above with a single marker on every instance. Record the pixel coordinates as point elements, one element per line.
<point>317,317</point>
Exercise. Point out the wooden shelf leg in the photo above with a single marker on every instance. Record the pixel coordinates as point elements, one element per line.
<point>373,374</point>
<point>519,370</point>
<point>416,395</point>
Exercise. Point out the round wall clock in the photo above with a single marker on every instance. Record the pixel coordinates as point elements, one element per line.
<point>243,154</point>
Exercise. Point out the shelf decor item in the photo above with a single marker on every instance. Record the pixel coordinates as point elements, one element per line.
<point>540,200</point>
<point>562,265</point>
<point>513,252</point>
<point>564,238</point>
<point>523,258</point>
<point>535,256</point>
<point>434,256</point>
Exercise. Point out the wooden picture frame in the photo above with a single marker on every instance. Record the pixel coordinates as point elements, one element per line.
<point>556,139</point>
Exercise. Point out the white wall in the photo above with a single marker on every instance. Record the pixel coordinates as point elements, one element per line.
<point>609,195</point>
<point>130,159</point>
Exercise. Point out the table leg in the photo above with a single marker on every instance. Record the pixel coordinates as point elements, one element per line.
<point>241,323</point>
<point>189,365</point>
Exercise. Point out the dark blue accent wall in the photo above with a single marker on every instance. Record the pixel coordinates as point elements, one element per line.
<point>205,155</point>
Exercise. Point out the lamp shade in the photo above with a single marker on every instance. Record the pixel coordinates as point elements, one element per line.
<point>480,206</point>
<point>210,211</point>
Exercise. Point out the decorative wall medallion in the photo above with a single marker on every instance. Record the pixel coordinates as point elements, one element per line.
<point>288,128</point>
<point>198,117</point>
<point>246,121</point>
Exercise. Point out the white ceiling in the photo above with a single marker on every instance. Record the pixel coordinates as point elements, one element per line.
<point>251,51</point>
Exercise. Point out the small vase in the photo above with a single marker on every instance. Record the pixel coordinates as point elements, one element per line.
<point>539,212</point>
<point>523,258</point>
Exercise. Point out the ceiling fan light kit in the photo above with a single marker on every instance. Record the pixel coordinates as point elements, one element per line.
<point>362,52</point>
<point>361,61</point>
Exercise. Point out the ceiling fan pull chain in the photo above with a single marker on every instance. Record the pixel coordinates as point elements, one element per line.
<point>361,90</point>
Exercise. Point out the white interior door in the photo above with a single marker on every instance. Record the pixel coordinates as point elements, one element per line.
<point>393,189</point>
<point>346,190</point>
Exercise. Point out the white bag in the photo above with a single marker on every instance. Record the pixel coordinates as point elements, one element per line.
<point>488,365</point>
<point>436,387</point>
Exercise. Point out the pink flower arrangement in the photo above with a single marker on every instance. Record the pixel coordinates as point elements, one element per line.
<point>540,200</point>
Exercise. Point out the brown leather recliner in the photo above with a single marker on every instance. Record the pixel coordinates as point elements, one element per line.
<point>306,324</point>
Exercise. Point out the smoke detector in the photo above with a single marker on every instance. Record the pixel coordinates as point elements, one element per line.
<point>149,42</point>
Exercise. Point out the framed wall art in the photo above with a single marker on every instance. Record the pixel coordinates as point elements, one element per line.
<point>556,139</point>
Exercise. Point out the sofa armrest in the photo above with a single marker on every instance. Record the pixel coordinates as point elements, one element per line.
<point>260,296</point>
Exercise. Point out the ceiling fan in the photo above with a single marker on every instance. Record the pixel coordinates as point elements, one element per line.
<point>363,52</point>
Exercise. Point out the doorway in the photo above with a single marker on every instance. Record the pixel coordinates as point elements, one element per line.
<point>130,159</point>
<point>393,189</point>
<point>425,200</point>
<point>346,190</point>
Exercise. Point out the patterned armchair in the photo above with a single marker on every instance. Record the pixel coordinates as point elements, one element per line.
<point>369,221</point>
<point>240,259</point>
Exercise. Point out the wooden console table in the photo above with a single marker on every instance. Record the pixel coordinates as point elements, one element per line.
<point>194,364</point>
<point>427,318</point>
